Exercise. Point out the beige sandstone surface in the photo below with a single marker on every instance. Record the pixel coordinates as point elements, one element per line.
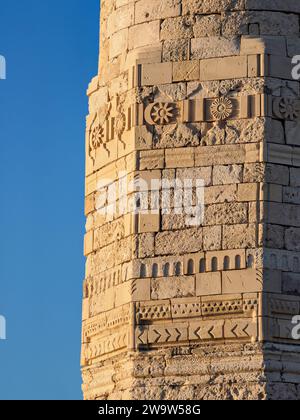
<point>194,89</point>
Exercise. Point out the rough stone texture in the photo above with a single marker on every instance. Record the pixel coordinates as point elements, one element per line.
<point>191,90</point>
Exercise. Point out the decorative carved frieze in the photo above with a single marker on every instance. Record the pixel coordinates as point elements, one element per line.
<point>198,331</point>
<point>112,343</point>
<point>286,108</point>
<point>107,320</point>
<point>196,307</point>
<point>107,125</point>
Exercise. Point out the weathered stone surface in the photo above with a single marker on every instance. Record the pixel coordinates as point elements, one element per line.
<point>274,236</point>
<point>172,287</point>
<point>180,242</point>
<point>194,300</point>
<point>292,239</point>
<point>230,174</point>
<point>212,238</point>
<point>224,214</point>
<point>239,236</point>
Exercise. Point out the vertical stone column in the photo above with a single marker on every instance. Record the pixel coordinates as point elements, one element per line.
<point>177,306</point>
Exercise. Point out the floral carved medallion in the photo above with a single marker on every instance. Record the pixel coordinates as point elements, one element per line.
<point>221,108</point>
<point>286,108</point>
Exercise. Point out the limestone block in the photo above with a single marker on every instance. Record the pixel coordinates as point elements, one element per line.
<point>174,221</point>
<point>295,177</point>
<point>121,18</point>
<point>223,68</point>
<point>89,204</point>
<point>284,214</point>
<point>102,302</point>
<point>271,192</point>
<point>152,159</point>
<point>146,245</point>
<point>292,132</point>
<point>177,28</point>
<point>274,236</point>
<point>291,283</point>
<point>186,71</point>
<point>267,23</point>
<point>280,154</point>
<point>88,243</point>
<point>254,172</point>
<point>193,175</point>
<point>209,25</point>
<point>179,242</point>
<point>118,43</point>
<point>149,223</point>
<point>114,254</point>
<point>292,239</point>
<point>90,184</point>
<point>149,180</point>
<point>229,174</point>
<point>143,34</point>
<point>143,138</point>
<point>220,194</point>
<point>274,131</point>
<point>293,45</point>
<point>132,291</point>
<point>156,74</point>
<point>208,284</point>
<point>180,158</point>
<point>291,195</point>
<point>212,47</point>
<point>280,67</point>
<point>248,192</point>
<point>110,232</point>
<point>277,174</point>
<point>296,156</point>
<point>148,11</point>
<point>241,281</point>
<point>279,5</point>
<point>227,155</point>
<point>172,287</point>
<point>206,7</point>
<point>212,238</point>
<point>97,99</point>
<point>141,55</point>
<point>239,236</point>
<point>275,45</point>
<point>227,213</point>
<point>176,50</point>
<point>93,86</point>
<point>85,309</point>
<point>89,222</point>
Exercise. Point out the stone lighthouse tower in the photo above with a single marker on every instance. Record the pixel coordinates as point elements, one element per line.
<point>192,286</point>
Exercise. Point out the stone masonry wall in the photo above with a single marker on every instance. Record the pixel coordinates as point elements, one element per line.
<point>193,90</point>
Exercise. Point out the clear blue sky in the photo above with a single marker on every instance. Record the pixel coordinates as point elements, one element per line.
<point>51,51</point>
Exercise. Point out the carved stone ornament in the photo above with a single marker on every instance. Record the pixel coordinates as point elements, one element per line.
<point>221,108</point>
<point>160,113</point>
<point>120,124</point>
<point>286,108</point>
<point>97,137</point>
